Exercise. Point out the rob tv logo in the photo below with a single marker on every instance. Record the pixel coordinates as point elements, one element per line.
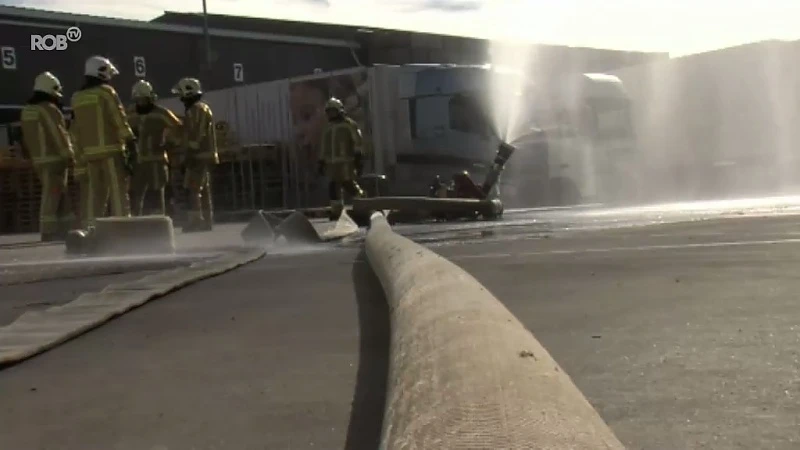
<point>50,42</point>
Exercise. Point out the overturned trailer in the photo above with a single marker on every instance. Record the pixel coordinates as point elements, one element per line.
<point>423,121</point>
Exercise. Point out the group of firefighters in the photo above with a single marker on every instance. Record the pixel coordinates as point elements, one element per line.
<point>110,148</point>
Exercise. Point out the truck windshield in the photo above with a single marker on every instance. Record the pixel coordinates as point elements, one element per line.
<point>612,119</point>
<point>467,114</point>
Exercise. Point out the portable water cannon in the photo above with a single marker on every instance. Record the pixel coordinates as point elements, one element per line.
<point>504,152</point>
<point>462,198</point>
<point>463,186</point>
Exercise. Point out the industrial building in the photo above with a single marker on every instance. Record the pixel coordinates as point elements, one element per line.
<point>235,51</point>
<point>242,51</point>
<point>167,51</point>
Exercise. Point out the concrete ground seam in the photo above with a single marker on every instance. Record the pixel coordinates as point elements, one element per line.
<point>38,331</point>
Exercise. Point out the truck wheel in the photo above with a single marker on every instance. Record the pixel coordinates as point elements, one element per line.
<point>532,194</point>
<point>563,191</point>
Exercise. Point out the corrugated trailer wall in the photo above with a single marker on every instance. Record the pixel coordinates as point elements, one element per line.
<point>257,113</point>
<point>391,127</point>
<point>720,123</point>
<point>264,112</point>
<point>260,125</point>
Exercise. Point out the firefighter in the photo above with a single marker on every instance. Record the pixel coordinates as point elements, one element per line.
<point>341,156</point>
<point>81,176</point>
<point>105,138</point>
<point>200,143</point>
<point>154,127</point>
<point>44,135</point>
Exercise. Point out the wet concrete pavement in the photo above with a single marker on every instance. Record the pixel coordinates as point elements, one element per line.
<point>264,357</point>
<point>35,276</point>
<point>682,336</point>
<point>17,251</point>
<point>18,298</point>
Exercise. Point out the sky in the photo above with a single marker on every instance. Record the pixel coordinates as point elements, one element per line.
<point>679,27</point>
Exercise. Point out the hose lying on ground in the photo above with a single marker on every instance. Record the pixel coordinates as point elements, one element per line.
<point>464,372</point>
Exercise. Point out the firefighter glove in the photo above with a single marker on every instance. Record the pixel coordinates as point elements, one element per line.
<point>132,152</point>
<point>128,163</point>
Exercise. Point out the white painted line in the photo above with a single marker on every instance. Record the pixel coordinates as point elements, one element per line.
<point>630,249</point>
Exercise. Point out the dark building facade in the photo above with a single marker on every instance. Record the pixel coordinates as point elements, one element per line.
<point>380,46</point>
<point>169,53</point>
<point>173,46</point>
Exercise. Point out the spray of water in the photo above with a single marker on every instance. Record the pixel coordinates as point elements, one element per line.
<point>508,85</point>
<point>508,103</point>
<point>717,125</point>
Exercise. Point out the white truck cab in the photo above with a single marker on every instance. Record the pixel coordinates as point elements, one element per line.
<point>571,135</point>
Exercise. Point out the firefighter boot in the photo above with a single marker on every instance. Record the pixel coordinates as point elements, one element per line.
<point>336,196</point>
<point>336,208</point>
<point>194,223</point>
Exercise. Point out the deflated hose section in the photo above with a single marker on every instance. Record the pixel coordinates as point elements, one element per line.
<point>464,373</point>
<point>504,152</point>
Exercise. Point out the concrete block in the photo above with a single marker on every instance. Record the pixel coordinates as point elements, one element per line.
<point>258,230</point>
<point>271,218</point>
<point>297,229</point>
<point>345,226</point>
<point>133,235</point>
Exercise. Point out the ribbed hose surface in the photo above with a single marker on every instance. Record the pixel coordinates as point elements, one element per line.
<point>464,372</point>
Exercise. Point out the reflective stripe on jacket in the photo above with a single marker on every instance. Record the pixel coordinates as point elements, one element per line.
<point>80,163</point>
<point>341,141</point>
<point>44,134</point>
<point>153,130</point>
<point>101,125</point>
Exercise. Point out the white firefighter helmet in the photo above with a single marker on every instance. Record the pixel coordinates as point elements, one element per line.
<point>187,87</point>
<point>143,89</point>
<point>334,104</point>
<point>100,67</point>
<point>47,83</point>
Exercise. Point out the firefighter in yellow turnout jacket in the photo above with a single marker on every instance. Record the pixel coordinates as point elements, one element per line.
<point>102,132</point>
<point>45,136</point>
<point>153,126</point>
<point>341,154</point>
<point>200,144</point>
<point>81,176</point>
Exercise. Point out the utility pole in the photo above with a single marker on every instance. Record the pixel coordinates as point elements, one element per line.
<point>208,38</point>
